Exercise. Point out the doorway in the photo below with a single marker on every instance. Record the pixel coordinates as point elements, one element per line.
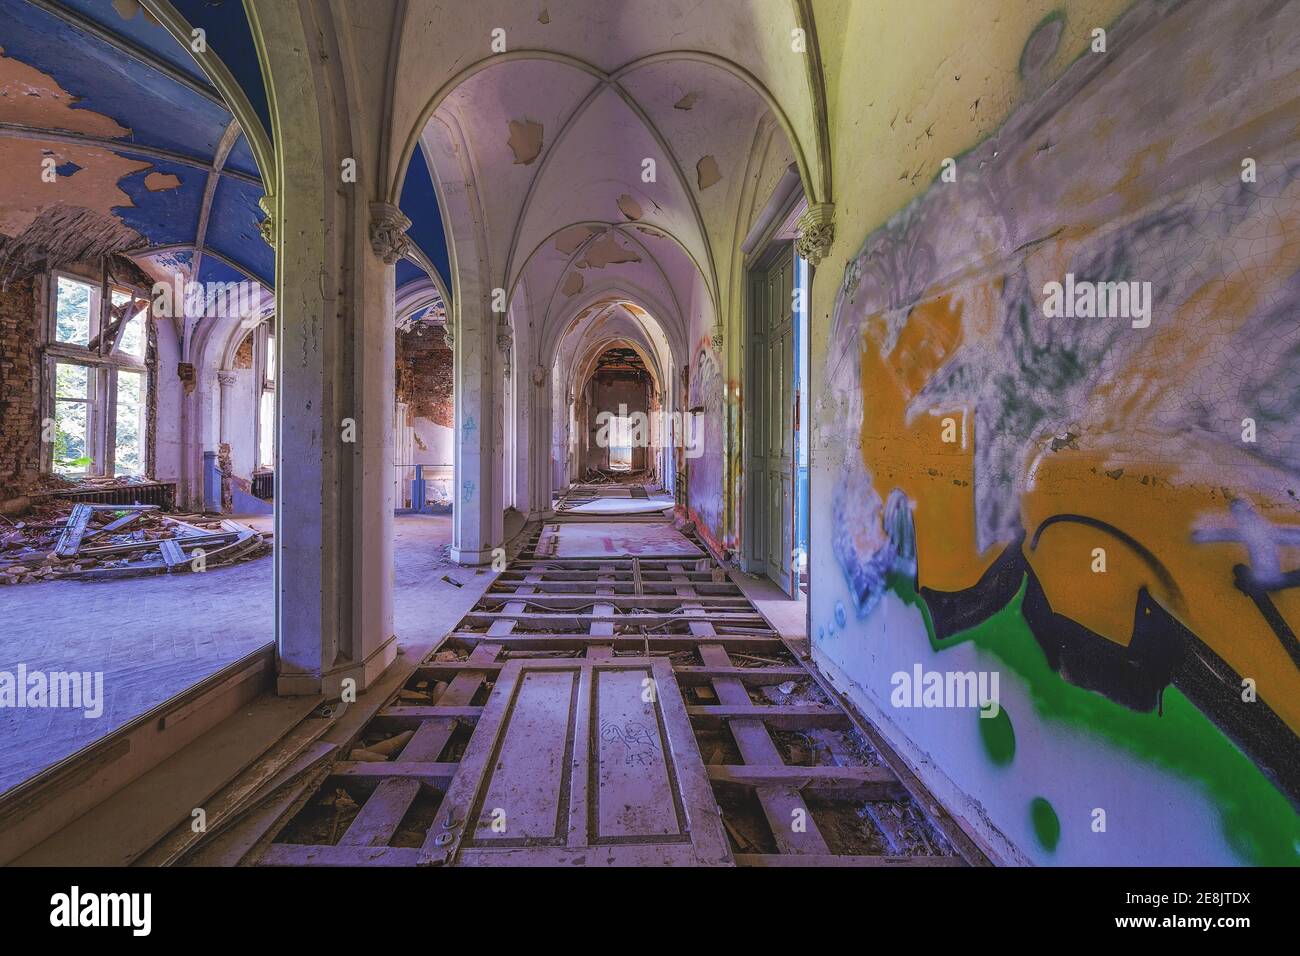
<point>777,449</point>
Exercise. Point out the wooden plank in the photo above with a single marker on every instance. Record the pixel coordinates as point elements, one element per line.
<point>403,712</point>
<point>437,775</point>
<point>114,526</point>
<point>690,674</point>
<point>858,783</point>
<point>657,642</point>
<point>834,860</point>
<point>604,589</point>
<point>130,546</point>
<point>293,854</point>
<point>783,718</point>
<point>70,539</point>
<point>171,552</point>
<point>381,815</point>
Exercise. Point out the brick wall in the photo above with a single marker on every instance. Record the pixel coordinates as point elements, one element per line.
<point>424,374</point>
<point>19,389</point>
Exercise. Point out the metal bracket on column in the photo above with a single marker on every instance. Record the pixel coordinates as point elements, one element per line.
<point>388,226</point>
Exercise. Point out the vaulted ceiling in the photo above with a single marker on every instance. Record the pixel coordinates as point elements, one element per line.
<point>601,160</point>
<point>150,157</point>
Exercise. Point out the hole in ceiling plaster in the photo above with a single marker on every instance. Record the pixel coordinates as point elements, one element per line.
<point>568,240</point>
<point>707,172</point>
<point>605,250</point>
<point>629,206</point>
<point>157,182</point>
<point>572,285</point>
<point>686,102</point>
<point>544,17</point>
<point>525,141</point>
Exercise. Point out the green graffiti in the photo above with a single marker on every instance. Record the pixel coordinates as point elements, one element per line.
<point>1258,822</point>
<point>1047,825</point>
<point>999,738</point>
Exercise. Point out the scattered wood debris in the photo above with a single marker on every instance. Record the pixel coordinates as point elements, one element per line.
<point>105,541</point>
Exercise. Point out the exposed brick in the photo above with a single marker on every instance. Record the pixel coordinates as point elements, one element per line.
<point>425,374</point>
<point>19,389</point>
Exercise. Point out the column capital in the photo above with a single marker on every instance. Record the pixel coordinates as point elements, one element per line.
<point>816,231</point>
<point>388,226</point>
<point>540,375</point>
<point>267,226</point>
<point>225,378</point>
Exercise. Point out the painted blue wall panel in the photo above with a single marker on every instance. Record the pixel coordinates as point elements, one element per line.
<point>420,203</point>
<point>233,229</point>
<point>408,272</point>
<point>214,270</point>
<point>158,111</point>
<point>241,159</point>
<point>141,33</point>
<point>230,38</point>
<point>168,215</point>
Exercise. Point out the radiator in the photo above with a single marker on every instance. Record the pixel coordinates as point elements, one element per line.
<point>263,485</point>
<point>160,493</point>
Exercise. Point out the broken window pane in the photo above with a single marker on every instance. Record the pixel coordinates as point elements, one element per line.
<point>73,311</point>
<point>131,339</point>
<point>128,445</point>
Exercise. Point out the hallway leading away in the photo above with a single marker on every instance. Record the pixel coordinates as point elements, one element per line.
<point>788,434</point>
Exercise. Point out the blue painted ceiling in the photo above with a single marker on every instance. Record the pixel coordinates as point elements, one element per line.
<point>134,72</point>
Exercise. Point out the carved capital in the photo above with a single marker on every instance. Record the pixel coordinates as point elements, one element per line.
<point>225,379</point>
<point>267,226</point>
<point>816,229</point>
<point>539,376</point>
<point>449,335</point>
<point>717,338</point>
<point>388,226</point>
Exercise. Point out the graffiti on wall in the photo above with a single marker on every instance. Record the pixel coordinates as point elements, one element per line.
<point>1060,425</point>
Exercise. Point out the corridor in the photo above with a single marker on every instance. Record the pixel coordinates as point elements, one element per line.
<point>835,434</point>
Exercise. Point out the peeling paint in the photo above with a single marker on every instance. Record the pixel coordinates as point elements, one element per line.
<point>525,141</point>
<point>629,206</point>
<point>158,182</point>
<point>707,172</point>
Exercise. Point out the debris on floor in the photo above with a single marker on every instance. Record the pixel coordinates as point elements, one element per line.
<point>104,541</point>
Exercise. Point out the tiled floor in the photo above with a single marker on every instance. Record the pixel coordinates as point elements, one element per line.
<point>153,637</point>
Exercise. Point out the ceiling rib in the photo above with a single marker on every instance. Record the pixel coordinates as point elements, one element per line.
<point>126,147</point>
<point>123,45</point>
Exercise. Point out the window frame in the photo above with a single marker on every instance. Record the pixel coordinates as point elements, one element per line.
<point>102,366</point>
<point>266,372</point>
